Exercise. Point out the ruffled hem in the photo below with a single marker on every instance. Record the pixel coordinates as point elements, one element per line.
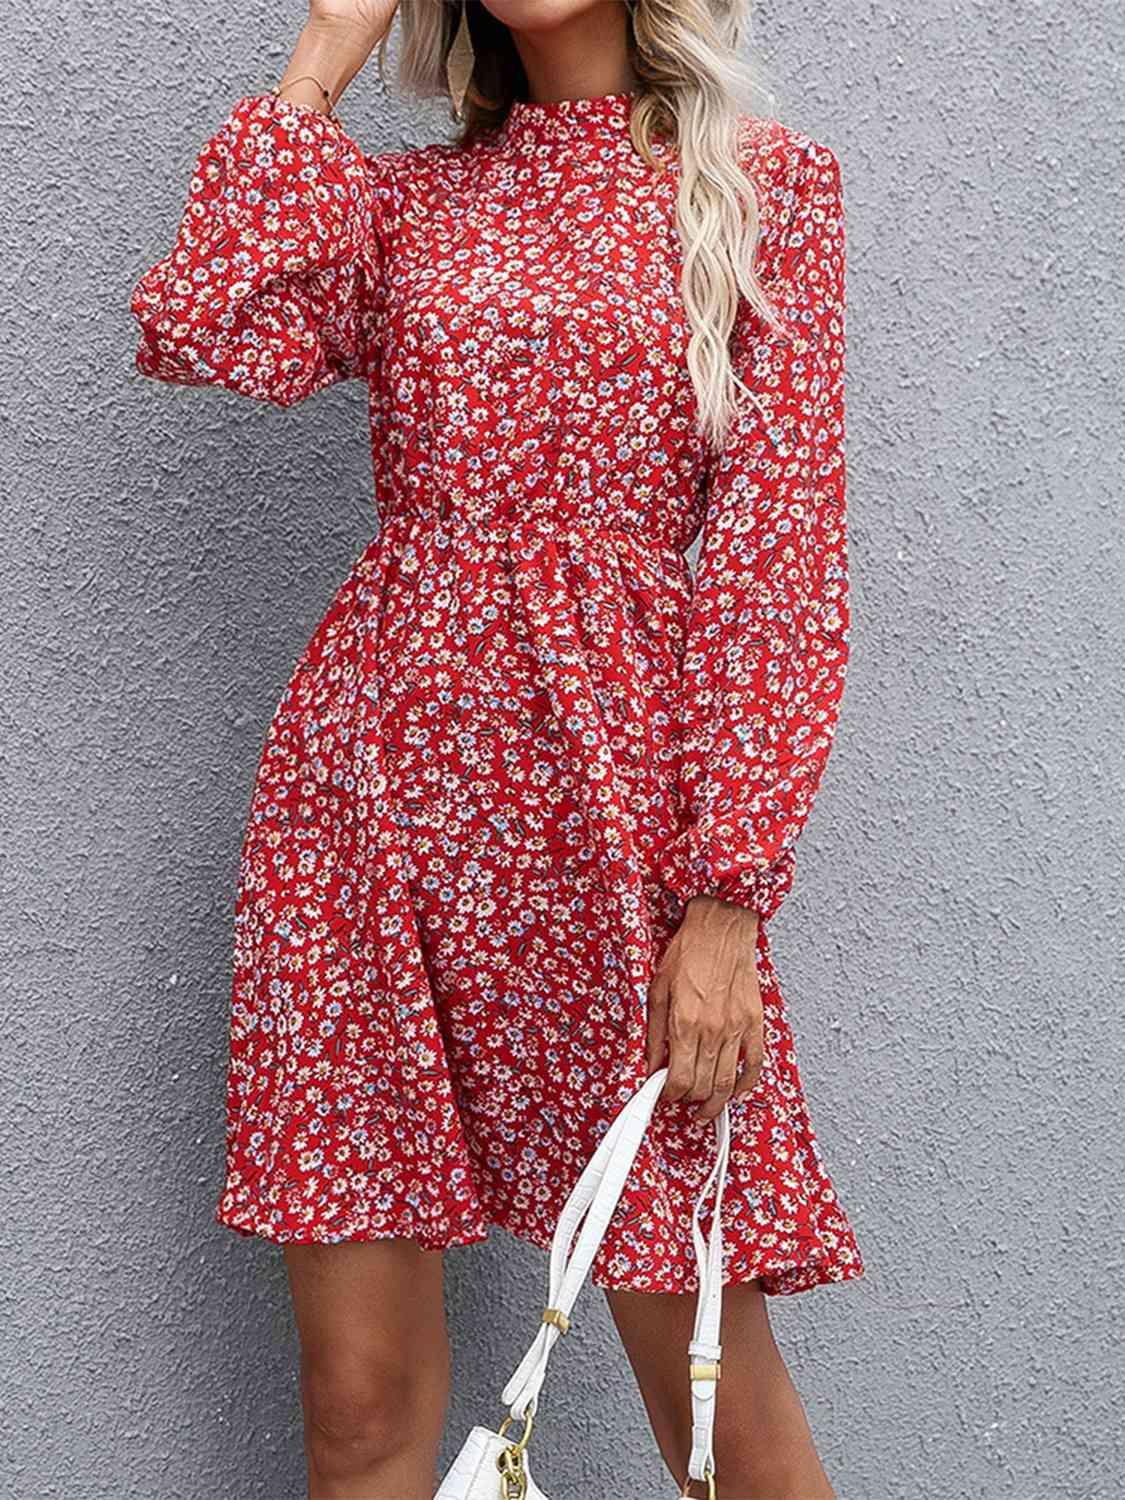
<point>256,1221</point>
<point>820,1263</point>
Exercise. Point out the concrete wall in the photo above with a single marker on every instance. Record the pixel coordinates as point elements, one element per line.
<point>953,953</point>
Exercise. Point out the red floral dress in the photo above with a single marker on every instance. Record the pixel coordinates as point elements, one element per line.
<point>522,736</point>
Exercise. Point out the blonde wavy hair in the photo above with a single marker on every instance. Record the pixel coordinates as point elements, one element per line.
<point>692,86</point>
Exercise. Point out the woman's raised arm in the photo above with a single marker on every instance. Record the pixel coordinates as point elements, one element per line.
<point>274,285</point>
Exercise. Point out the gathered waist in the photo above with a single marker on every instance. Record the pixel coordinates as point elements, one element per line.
<point>454,594</point>
<point>445,528</point>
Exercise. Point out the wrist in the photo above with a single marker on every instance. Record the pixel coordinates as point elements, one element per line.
<point>333,52</point>
<point>704,904</point>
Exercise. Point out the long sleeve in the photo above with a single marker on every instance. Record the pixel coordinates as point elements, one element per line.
<point>275,283</point>
<point>767,635</point>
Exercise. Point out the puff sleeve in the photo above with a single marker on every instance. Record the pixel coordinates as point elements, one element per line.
<point>274,286</point>
<point>767,640</point>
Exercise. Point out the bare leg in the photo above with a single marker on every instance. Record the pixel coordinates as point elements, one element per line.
<point>374,1367</point>
<point>763,1446</point>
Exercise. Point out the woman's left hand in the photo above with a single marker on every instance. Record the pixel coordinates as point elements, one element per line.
<point>705,1006</point>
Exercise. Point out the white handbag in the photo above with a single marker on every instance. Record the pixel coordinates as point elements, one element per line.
<point>494,1465</point>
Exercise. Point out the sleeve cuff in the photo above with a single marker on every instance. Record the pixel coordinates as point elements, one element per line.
<point>294,112</point>
<point>686,870</point>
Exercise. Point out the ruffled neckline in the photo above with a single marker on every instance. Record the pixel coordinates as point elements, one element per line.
<point>534,124</point>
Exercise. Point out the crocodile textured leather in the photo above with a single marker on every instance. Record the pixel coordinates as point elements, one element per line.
<point>475,1473</point>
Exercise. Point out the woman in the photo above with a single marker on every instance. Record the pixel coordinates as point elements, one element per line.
<point>531,795</point>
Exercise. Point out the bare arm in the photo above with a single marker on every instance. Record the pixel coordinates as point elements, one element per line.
<point>337,40</point>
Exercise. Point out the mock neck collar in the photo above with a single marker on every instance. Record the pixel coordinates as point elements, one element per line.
<point>533,124</point>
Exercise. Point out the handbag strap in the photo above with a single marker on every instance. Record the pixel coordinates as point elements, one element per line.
<point>705,1351</point>
<point>587,1212</point>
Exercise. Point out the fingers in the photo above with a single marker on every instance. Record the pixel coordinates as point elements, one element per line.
<point>723,1079</point>
<point>657,1040</point>
<point>751,1073</point>
<point>682,1052</point>
<point>703,1069</point>
<point>704,1011</point>
<point>702,1061</point>
<point>753,1049</point>
<point>705,1039</point>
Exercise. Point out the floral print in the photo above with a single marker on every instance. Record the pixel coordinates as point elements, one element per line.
<point>522,735</point>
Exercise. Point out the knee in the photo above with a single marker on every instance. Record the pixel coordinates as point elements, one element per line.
<point>360,1414</point>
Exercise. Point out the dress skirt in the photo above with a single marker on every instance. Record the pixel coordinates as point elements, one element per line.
<point>449,896</point>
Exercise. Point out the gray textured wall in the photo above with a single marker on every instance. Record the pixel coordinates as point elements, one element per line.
<point>952,956</point>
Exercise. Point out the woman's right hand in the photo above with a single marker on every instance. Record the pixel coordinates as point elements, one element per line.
<point>369,18</point>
